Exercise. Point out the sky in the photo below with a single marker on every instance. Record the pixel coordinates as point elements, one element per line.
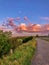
<point>37,11</point>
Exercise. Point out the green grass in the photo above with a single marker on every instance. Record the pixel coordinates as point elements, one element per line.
<point>22,54</point>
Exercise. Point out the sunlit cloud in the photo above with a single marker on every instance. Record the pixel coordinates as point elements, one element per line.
<point>36,27</point>
<point>22,26</point>
<point>46,26</point>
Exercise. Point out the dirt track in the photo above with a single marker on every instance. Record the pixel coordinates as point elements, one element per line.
<point>42,54</point>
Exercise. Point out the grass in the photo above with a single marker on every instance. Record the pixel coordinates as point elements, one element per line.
<point>45,38</point>
<point>22,54</point>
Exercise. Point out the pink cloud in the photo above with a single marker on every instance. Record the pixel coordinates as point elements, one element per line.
<point>25,18</point>
<point>44,18</point>
<point>10,19</point>
<point>46,26</point>
<point>23,26</point>
<point>17,18</point>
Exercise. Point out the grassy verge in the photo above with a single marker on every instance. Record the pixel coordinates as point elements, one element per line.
<point>45,38</point>
<point>22,54</point>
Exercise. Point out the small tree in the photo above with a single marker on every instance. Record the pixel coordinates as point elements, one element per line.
<point>37,35</point>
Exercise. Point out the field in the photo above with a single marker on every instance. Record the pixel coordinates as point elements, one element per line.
<point>17,50</point>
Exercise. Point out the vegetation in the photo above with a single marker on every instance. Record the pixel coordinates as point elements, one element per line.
<point>14,42</point>
<point>37,35</point>
<point>4,45</point>
<point>27,39</point>
<point>22,54</point>
<point>46,38</point>
<point>23,49</point>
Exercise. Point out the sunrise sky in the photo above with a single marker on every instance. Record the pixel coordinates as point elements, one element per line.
<point>37,11</point>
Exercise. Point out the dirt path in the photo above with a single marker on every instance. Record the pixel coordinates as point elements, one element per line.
<point>42,55</point>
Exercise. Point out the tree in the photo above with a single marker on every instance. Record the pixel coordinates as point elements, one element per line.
<point>37,35</point>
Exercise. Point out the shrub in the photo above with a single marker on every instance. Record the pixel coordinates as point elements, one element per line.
<point>27,39</point>
<point>24,53</point>
<point>15,42</point>
<point>4,45</point>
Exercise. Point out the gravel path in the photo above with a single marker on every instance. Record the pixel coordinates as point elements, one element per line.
<point>42,54</point>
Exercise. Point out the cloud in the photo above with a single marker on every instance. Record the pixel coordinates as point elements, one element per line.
<point>25,18</point>
<point>46,27</point>
<point>17,18</point>
<point>10,19</point>
<point>11,23</point>
<point>4,28</point>
<point>36,27</point>
<point>23,26</point>
<point>44,18</point>
<point>1,27</point>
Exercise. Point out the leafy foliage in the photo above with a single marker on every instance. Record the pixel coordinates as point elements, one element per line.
<point>27,39</point>
<point>4,45</point>
<point>23,47</point>
<point>15,42</point>
<point>24,53</point>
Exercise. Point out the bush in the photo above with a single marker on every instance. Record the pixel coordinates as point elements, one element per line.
<point>24,53</point>
<point>15,42</point>
<point>4,45</point>
<point>27,39</point>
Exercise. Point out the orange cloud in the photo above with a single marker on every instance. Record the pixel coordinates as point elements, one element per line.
<point>23,26</point>
<point>46,26</point>
<point>36,27</point>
